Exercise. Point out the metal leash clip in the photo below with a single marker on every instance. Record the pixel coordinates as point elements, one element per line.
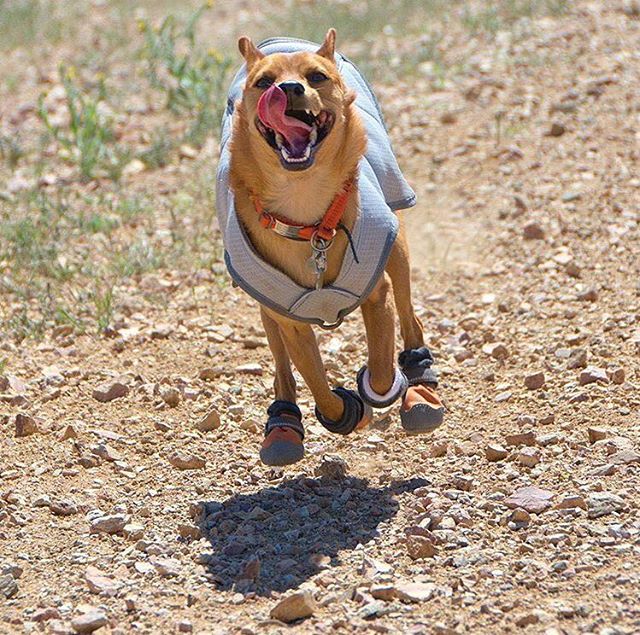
<point>318,260</point>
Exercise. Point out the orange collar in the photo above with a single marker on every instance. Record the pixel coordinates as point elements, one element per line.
<point>325,229</point>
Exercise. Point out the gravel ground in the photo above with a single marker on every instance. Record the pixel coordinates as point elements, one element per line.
<point>131,494</point>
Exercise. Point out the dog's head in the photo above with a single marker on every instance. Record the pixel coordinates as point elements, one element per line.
<point>295,106</point>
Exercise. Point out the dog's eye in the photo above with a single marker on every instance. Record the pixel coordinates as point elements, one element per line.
<point>316,77</point>
<point>264,82</point>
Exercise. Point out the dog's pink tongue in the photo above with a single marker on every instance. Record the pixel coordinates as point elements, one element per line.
<point>271,110</point>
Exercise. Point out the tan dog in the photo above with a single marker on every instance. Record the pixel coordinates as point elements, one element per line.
<point>295,171</point>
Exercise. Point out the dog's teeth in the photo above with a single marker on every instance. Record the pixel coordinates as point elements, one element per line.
<point>279,140</point>
<point>313,135</point>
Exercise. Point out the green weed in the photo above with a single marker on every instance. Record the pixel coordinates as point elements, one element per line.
<point>104,307</point>
<point>11,151</point>
<point>193,81</point>
<point>90,139</point>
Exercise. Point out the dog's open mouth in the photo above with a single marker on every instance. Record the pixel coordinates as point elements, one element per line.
<point>297,153</point>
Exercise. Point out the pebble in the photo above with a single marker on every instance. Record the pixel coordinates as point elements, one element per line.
<point>419,547</point>
<point>534,381</point>
<point>8,586</point>
<point>100,583</point>
<point>63,507</point>
<point>603,503</point>
<point>113,524</point>
<point>495,452</point>
<point>296,606</point>
<point>572,501</point>
<point>624,457</point>
<point>557,129</point>
<point>577,359</point>
<point>533,231</point>
<point>415,591</point>
<point>167,567</point>
<point>110,391</point>
<point>211,421</point>
<point>25,425</point>
<point>529,457</point>
<point>186,461</point>
<point>89,621</point>
<point>497,350</point>
<point>532,499</point>
<point>332,466</point>
<point>249,369</point>
<point>521,438</point>
<point>170,395</point>
<point>591,374</point>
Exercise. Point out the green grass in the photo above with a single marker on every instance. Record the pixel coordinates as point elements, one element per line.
<point>492,16</point>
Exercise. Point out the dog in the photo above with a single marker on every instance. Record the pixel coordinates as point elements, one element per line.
<point>307,194</point>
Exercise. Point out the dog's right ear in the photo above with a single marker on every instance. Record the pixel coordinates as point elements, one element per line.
<point>249,51</point>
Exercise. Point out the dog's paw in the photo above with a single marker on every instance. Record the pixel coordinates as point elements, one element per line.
<point>281,446</point>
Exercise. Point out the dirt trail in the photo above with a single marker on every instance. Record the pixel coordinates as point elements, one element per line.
<point>152,511</point>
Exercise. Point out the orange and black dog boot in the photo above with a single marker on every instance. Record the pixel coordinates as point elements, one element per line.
<point>422,410</point>
<point>283,435</point>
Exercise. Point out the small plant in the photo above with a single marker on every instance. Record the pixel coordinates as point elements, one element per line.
<point>10,150</point>
<point>194,81</point>
<point>90,139</point>
<point>103,303</point>
<point>158,154</point>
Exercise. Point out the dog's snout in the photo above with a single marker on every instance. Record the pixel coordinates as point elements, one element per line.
<point>292,89</point>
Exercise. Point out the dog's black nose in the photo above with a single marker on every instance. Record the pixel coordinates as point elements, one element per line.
<point>292,89</point>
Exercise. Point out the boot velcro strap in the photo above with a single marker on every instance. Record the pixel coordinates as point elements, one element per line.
<point>351,417</point>
<point>284,414</point>
<point>416,365</point>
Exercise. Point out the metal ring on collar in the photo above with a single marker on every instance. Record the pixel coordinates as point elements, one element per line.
<point>354,410</point>
<point>397,390</point>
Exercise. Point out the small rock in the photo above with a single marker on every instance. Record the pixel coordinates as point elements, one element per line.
<point>597,434</point>
<point>533,231</point>
<point>110,391</point>
<point>616,375</point>
<point>211,421</point>
<point>249,369</point>
<point>589,295</point>
<point>497,350</point>
<point>625,457</point>
<point>167,567</point>
<point>296,606</point>
<point>332,467</point>
<point>495,452</point>
<point>521,438</point>
<point>68,433</point>
<point>170,395</point>
<point>415,591</point>
<point>386,592</point>
<point>533,499</point>
<point>591,374</point>
<point>89,622</point>
<point>534,381</point>
<point>557,129</point>
<point>211,373</point>
<point>529,457</point>
<point>63,507</point>
<point>100,583</point>
<point>25,425</point>
<point>572,501</point>
<point>186,461</point>
<point>577,359</point>
<point>8,586</point>
<point>109,524</point>
<point>603,504</point>
<point>419,547</point>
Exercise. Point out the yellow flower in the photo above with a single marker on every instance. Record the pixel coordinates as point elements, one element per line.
<point>209,4</point>
<point>100,76</point>
<point>142,25</point>
<point>72,73</point>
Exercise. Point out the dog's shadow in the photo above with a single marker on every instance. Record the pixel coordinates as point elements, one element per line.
<point>277,538</point>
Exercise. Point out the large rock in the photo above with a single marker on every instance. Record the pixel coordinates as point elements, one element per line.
<point>296,606</point>
<point>533,499</point>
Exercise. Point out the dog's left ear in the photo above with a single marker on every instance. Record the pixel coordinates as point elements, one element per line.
<point>328,48</point>
<point>249,51</point>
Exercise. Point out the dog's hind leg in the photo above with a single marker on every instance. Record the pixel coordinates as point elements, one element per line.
<point>422,410</point>
<point>284,431</point>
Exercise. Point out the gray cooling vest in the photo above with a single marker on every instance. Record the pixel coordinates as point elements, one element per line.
<point>381,187</point>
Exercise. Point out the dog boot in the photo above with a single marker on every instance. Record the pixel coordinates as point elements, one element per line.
<point>422,410</point>
<point>369,396</point>
<point>356,415</point>
<point>283,435</point>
